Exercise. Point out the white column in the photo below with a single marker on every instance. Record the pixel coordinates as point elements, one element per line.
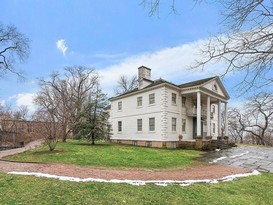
<point>198,114</point>
<point>226,120</point>
<point>219,118</point>
<point>208,116</point>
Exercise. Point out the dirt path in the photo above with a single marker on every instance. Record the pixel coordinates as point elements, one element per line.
<point>207,171</point>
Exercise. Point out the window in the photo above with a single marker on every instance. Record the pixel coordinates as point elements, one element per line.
<point>134,142</point>
<point>173,98</point>
<point>183,125</point>
<point>214,88</point>
<point>119,105</point>
<point>173,124</point>
<point>120,126</point>
<point>139,101</point>
<point>152,124</point>
<point>213,128</point>
<point>152,98</point>
<point>184,101</point>
<point>139,125</point>
<point>148,144</point>
<point>213,108</point>
<point>173,145</point>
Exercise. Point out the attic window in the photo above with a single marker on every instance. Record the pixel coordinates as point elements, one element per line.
<point>214,88</point>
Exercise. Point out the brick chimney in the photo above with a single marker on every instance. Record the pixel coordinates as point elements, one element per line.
<point>144,77</point>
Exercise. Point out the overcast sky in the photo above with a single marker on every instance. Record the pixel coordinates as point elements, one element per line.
<point>113,37</point>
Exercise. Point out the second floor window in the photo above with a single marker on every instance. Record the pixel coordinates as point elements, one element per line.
<point>139,101</point>
<point>152,124</point>
<point>119,105</point>
<point>184,101</point>
<point>173,98</point>
<point>152,98</point>
<point>213,109</point>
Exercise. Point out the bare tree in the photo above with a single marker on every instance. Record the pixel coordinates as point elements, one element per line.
<point>126,84</point>
<point>236,126</point>
<point>48,114</point>
<point>259,116</point>
<point>21,113</point>
<point>14,46</point>
<point>70,95</point>
<point>245,45</point>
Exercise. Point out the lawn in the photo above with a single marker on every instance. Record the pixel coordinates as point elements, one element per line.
<point>109,155</point>
<point>30,190</point>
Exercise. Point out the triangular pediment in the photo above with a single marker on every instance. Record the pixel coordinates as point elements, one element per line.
<point>215,85</point>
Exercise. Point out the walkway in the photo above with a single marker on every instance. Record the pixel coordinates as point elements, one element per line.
<point>250,157</point>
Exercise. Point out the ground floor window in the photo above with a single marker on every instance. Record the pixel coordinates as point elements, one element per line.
<point>152,124</point>
<point>119,126</point>
<point>213,128</point>
<point>148,144</point>
<point>134,142</point>
<point>173,145</point>
<point>183,125</point>
<point>139,125</point>
<point>173,124</point>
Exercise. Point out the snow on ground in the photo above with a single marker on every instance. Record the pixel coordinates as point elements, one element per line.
<point>138,182</point>
<point>231,157</point>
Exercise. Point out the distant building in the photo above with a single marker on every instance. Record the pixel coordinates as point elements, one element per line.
<point>14,132</point>
<point>160,114</point>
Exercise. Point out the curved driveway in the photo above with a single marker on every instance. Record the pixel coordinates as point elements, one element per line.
<point>252,157</point>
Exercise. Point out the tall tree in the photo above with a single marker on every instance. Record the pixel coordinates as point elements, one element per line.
<point>94,123</point>
<point>70,91</point>
<point>14,46</point>
<point>48,115</point>
<point>125,84</point>
<point>77,99</point>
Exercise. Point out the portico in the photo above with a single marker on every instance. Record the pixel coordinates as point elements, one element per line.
<point>209,111</point>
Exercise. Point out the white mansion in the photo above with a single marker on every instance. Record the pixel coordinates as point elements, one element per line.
<point>161,114</point>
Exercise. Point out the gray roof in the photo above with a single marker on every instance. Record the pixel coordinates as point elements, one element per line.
<point>161,81</point>
<point>196,83</point>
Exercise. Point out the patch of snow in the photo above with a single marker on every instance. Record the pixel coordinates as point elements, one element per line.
<point>231,157</point>
<point>218,159</point>
<point>138,182</point>
<point>161,184</point>
<point>239,155</point>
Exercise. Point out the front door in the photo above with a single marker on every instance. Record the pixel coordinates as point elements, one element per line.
<point>194,127</point>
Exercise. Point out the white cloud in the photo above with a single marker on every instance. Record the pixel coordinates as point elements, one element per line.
<point>25,99</point>
<point>61,46</point>
<point>171,64</point>
<point>110,56</point>
<point>2,102</point>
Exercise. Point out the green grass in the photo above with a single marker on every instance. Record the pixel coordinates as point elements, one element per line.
<point>109,155</point>
<point>30,190</point>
